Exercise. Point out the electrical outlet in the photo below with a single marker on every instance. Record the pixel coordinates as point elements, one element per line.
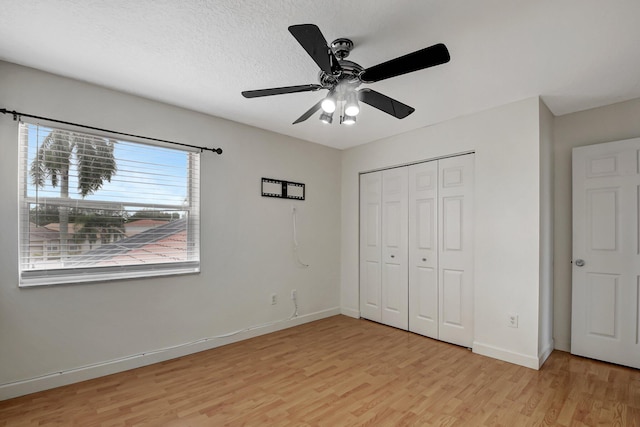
<point>274,299</point>
<point>512,320</point>
<point>294,294</point>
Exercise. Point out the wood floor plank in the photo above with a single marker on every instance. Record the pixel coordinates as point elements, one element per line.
<point>341,372</point>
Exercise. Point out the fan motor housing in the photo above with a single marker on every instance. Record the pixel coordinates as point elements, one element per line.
<point>348,79</point>
<point>350,74</point>
<point>341,47</point>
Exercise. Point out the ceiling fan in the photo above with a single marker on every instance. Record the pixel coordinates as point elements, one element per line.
<point>342,77</point>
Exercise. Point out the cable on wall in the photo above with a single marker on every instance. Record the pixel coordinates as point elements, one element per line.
<point>17,115</point>
<point>295,238</point>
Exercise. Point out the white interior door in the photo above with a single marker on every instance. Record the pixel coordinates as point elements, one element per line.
<point>455,267</point>
<point>370,245</point>
<point>606,247</point>
<point>395,287</point>
<point>423,249</point>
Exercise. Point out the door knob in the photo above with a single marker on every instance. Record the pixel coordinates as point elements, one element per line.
<point>393,256</point>
<point>579,262</point>
<point>424,259</point>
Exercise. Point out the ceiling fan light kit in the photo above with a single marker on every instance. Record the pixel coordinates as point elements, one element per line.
<point>329,103</point>
<point>342,77</point>
<point>348,120</point>
<point>326,118</point>
<point>351,107</point>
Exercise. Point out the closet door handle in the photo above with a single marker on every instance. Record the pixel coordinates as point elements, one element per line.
<point>424,259</point>
<point>393,256</point>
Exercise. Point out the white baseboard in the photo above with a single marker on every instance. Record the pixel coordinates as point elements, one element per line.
<point>545,353</point>
<point>350,312</point>
<point>83,373</point>
<point>507,355</point>
<point>563,344</point>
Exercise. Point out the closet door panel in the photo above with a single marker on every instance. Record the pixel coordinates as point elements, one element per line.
<point>452,224</point>
<point>393,293</point>
<point>423,252</point>
<point>371,246</point>
<point>394,248</point>
<point>452,293</point>
<point>455,201</point>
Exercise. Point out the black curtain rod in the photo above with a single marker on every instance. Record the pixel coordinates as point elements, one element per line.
<point>17,114</point>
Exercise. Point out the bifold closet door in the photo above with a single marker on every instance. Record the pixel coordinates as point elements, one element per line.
<point>383,247</point>
<point>423,249</point>
<point>455,258</point>
<point>395,291</point>
<point>416,248</point>
<point>441,249</point>
<point>370,245</point>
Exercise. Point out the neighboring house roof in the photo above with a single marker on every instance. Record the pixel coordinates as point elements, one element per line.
<point>139,225</point>
<point>55,226</point>
<point>170,249</point>
<point>146,222</point>
<point>42,233</point>
<point>164,243</point>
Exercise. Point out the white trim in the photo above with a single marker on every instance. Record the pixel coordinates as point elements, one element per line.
<point>105,274</point>
<point>351,312</point>
<point>507,355</point>
<point>446,156</point>
<point>83,373</point>
<point>562,344</point>
<point>545,353</point>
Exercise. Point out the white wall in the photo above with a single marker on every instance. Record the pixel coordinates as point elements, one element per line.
<point>604,124</point>
<point>246,243</point>
<point>506,141</point>
<point>545,333</point>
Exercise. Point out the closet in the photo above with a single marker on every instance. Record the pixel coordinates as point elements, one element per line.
<point>416,248</point>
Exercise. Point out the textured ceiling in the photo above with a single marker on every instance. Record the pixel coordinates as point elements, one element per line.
<point>200,54</point>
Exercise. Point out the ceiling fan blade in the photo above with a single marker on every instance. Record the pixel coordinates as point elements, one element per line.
<point>418,60</point>
<point>312,40</point>
<point>308,113</point>
<point>384,103</point>
<point>280,90</point>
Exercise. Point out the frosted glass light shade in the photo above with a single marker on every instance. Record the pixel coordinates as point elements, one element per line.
<point>328,104</point>
<point>348,120</point>
<point>326,118</point>
<point>351,107</point>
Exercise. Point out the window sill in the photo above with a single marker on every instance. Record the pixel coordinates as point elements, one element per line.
<point>78,276</point>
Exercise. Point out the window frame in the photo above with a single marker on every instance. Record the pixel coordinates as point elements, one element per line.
<point>75,275</point>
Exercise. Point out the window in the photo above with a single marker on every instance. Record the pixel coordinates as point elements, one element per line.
<point>104,208</point>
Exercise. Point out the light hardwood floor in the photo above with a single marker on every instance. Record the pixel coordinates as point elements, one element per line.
<point>341,372</point>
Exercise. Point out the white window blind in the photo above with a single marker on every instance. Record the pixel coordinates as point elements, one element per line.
<point>96,208</point>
